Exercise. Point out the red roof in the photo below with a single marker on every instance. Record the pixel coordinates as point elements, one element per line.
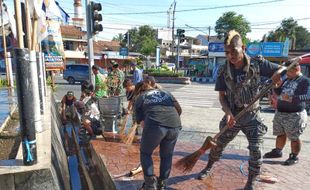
<point>70,30</point>
<point>305,59</point>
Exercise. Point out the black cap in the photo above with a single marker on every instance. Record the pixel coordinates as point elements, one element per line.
<point>70,93</point>
<point>95,67</point>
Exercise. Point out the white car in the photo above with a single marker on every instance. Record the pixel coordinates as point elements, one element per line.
<point>171,66</point>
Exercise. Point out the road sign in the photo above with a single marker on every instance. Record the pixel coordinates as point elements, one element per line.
<point>123,51</point>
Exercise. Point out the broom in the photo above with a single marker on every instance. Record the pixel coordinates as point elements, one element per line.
<point>123,127</point>
<point>188,162</point>
<point>131,134</point>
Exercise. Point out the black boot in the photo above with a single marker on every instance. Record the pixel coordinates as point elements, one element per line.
<point>162,184</point>
<point>150,183</point>
<point>250,183</point>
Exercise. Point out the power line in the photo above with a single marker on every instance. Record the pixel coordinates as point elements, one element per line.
<point>197,9</point>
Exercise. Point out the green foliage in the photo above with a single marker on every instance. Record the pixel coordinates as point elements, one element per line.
<point>3,83</point>
<point>289,28</point>
<point>162,72</point>
<point>302,38</point>
<point>143,40</point>
<point>49,82</point>
<point>229,21</point>
<point>165,67</point>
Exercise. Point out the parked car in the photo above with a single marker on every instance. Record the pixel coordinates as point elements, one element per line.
<point>171,66</point>
<point>79,73</point>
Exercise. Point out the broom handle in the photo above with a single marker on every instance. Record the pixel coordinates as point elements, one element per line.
<point>257,97</point>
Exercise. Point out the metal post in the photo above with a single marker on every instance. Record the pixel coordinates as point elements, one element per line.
<point>90,42</point>
<point>10,68</point>
<point>35,88</point>
<point>157,56</point>
<point>173,18</point>
<point>209,34</point>
<point>44,74</point>
<point>40,81</point>
<point>128,41</point>
<point>26,98</point>
<point>178,52</point>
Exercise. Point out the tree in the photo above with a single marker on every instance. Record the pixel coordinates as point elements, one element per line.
<point>119,38</point>
<point>289,29</point>
<point>143,40</point>
<point>302,38</point>
<point>229,21</point>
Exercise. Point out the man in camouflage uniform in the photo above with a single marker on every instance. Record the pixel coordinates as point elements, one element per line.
<point>115,80</point>
<point>237,82</point>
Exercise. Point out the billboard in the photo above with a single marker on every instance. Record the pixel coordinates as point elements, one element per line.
<point>216,47</point>
<point>268,49</point>
<point>52,47</point>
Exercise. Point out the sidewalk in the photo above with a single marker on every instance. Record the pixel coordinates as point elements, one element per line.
<point>197,125</point>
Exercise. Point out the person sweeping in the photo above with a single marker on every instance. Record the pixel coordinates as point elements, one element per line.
<point>159,112</point>
<point>237,83</point>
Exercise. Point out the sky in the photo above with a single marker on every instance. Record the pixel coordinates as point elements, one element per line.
<point>264,16</point>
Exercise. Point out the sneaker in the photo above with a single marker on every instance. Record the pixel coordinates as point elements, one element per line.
<point>204,173</point>
<point>161,184</point>
<point>274,153</point>
<point>292,159</point>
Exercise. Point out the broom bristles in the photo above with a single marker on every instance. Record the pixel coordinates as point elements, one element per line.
<point>123,127</point>
<point>131,135</point>
<point>187,163</point>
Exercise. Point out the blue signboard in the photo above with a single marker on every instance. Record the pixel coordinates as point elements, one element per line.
<point>216,47</point>
<point>272,49</point>
<point>268,49</point>
<point>123,51</point>
<point>253,49</point>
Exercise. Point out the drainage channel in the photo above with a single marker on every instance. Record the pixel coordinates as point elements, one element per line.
<point>78,161</point>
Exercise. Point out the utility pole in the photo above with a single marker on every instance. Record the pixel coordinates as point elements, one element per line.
<point>209,34</point>
<point>128,40</point>
<point>90,42</point>
<point>4,48</point>
<point>173,19</point>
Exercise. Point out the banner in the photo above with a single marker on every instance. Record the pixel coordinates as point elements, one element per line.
<point>52,47</point>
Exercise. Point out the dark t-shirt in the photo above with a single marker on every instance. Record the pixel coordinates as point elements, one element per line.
<point>68,102</point>
<point>266,69</point>
<point>156,107</point>
<point>298,90</point>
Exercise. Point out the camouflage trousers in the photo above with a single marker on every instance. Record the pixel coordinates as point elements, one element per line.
<point>291,124</point>
<point>253,128</point>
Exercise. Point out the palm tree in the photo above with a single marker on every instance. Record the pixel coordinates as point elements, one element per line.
<point>289,28</point>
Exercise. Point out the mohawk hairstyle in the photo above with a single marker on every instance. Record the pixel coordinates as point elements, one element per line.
<point>230,35</point>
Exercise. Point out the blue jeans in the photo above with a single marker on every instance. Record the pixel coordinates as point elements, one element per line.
<point>153,136</point>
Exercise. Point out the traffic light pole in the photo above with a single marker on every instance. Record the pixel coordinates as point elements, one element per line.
<point>178,52</point>
<point>90,42</point>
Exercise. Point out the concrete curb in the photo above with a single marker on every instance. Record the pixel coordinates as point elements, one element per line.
<point>3,125</point>
<point>202,79</point>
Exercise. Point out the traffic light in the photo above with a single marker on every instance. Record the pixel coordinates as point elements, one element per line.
<point>126,37</point>
<point>96,17</point>
<point>181,35</point>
